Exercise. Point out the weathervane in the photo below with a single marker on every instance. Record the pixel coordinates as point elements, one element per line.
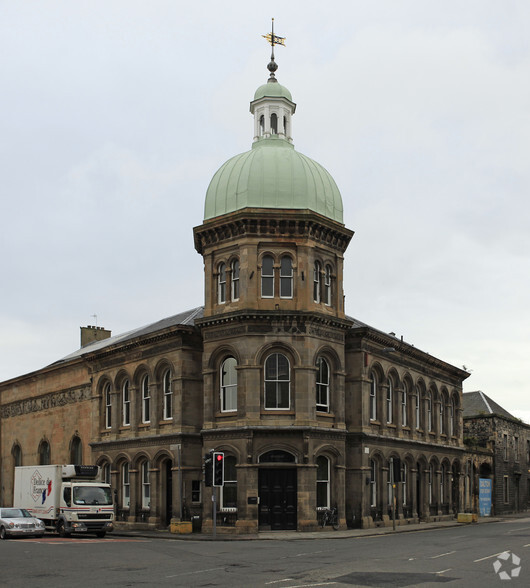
<point>273,40</point>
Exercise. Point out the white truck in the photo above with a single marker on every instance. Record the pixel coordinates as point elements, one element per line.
<point>68,498</point>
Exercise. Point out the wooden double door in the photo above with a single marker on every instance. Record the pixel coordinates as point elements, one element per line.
<point>277,498</point>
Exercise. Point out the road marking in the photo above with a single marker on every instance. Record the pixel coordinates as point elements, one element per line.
<point>527,545</point>
<point>278,581</point>
<point>488,557</point>
<point>516,530</point>
<point>310,585</point>
<point>196,572</point>
<point>300,554</point>
<point>442,554</point>
<point>443,571</point>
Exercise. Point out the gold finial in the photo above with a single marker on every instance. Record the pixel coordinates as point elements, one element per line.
<point>273,40</point>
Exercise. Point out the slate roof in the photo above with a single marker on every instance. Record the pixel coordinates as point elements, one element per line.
<point>186,318</point>
<point>477,404</point>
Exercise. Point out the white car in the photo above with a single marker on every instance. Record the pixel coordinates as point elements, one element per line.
<point>18,522</point>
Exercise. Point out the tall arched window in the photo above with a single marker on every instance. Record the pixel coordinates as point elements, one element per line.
<point>229,489</point>
<point>126,404</point>
<point>267,277</point>
<point>76,451</point>
<point>125,486</point>
<point>44,453</point>
<point>327,286</point>
<point>234,279</point>
<point>146,400</point>
<point>221,283</point>
<point>417,400</point>
<point>323,482</point>
<point>373,397</point>
<point>430,481</point>
<point>442,484</point>
<point>146,486</point>
<point>322,385</point>
<point>404,399</point>
<point>108,407</point>
<point>229,385</point>
<point>373,483</point>
<point>17,455</point>
<point>285,129</point>
<point>277,382</point>
<point>261,125</point>
<point>404,481</point>
<point>452,417</point>
<point>316,281</point>
<point>274,123</point>
<point>441,415</point>
<point>168,396</point>
<point>105,472</point>
<point>286,277</point>
<point>390,401</point>
<point>428,402</point>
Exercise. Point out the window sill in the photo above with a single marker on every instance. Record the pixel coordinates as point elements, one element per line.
<point>144,425</point>
<point>325,414</point>
<point>277,411</point>
<point>165,422</point>
<point>391,425</point>
<point>224,415</point>
<point>375,422</point>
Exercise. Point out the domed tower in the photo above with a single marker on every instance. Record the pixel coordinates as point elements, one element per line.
<point>274,326</point>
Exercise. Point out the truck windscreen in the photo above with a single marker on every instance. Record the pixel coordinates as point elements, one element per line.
<point>92,495</point>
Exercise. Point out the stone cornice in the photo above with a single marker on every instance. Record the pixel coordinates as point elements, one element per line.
<point>270,223</point>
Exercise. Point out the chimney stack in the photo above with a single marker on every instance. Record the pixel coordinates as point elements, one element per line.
<point>91,333</point>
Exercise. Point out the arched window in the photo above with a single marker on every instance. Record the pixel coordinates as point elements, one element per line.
<point>327,286</point>
<point>430,480</point>
<point>229,489</point>
<point>316,281</point>
<point>146,486</point>
<point>286,277</point>
<point>221,284</point>
<point>389,401</point>
<point>108,407</point>
<point>373,483</point>
<point>274,123</point>
<point>452,417</point>
<point>17,455</point>
<point>277,382</point>
<point>44,453</point>
<point>228,385</point>
<point>404,480</point>
<point>442,484</point>
<point>373,397</point>
<point>126,404</point>
<point>168,396</point>
<point>389,481</point>
<point>234,266</point>
<point>323,482</point>
<point>146,400</point>
<point>105,472</point>
<point>125,486</point>
<point>322,385</point>
<point>76,451</point>
<point>428,401</point>
<point>441,415</point>
<point>417,401</point>
<point>261,125</point>
<point>267,277</point>
<point>404,399</point>
<point>285,129</point>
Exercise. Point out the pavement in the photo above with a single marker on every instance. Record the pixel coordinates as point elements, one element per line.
<point>326,533</point>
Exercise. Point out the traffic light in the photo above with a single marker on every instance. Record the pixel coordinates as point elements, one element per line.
<point>208,469</point>
<point>218,468</point>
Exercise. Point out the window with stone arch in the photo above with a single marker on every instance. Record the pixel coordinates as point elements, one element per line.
<point>323,482</point>
<point>428,402</point>
<point>261,125</point>
<point>417,408</point>
<point>327,285</point>
<point>146,485</point>
<point>126,403</point>
<point>274,123</point>
<point>430,483</point>
<point>228,378</point>
<point>146,400</point>
<point>373,396</point>
<point>221,283</point>
<point>108,406</point>
<point>404,482</point>
<point>442,484</point>
<point>404,404</point>
<point>323,385</point>
<point>441,414</point>
<point>452,413</point>
<point>17,455</point>
<point>125,486</point>
<point>76,451</point>
<point>168,396</point>
<point>105,472</point>
<point>373,483</point>
<point>277,376</point>
<point>267,277</point>
<point>286,277</point>
<point>390,401</point>
<point>234,279</point>
<point>317,271</point>
<point>44,453</point>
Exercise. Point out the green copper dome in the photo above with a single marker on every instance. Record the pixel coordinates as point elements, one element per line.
<point>272,175</point>
<point>272,90</point>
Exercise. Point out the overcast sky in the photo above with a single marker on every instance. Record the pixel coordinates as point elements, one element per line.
<point>116,114</point>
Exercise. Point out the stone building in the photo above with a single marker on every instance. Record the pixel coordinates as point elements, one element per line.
<point>490,430</point>
<point>311,407</point>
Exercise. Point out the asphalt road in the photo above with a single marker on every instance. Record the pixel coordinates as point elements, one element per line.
<point>456,556</point>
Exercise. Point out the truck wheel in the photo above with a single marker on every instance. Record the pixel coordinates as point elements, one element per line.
<point>3,534</point>
<point>101,534</point>
<point>61,530</point>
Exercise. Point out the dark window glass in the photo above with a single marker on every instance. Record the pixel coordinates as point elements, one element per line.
<point>267,277</point>
<point>286,277</point>
<point>277,381</point>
